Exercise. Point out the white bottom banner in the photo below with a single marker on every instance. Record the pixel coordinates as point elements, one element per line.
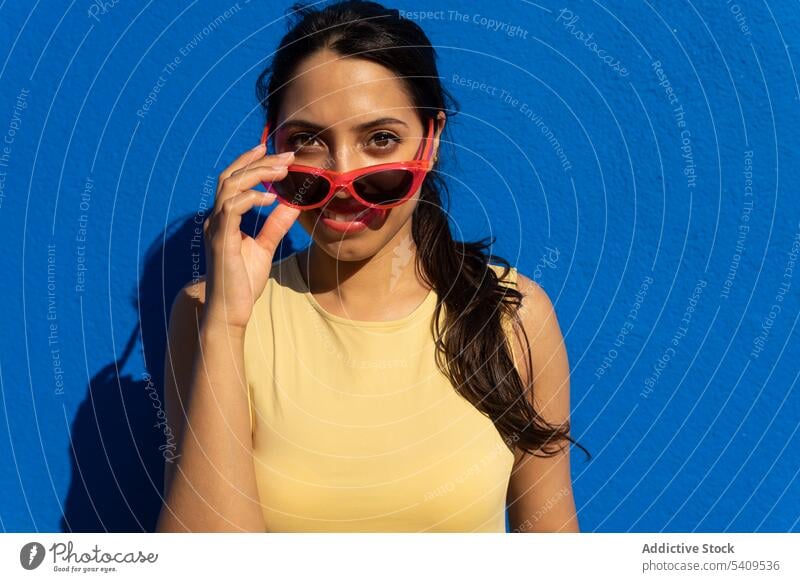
<point>401,557</point>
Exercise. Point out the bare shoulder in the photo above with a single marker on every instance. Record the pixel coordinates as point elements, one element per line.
<point>536,308</point>
<point>184,319</point>
<point>545,342</point>
<point>193,292</point>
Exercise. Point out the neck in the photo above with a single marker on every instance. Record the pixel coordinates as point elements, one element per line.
<point>382,286</point>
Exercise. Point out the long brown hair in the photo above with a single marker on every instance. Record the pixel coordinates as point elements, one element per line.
<point>472,350</point>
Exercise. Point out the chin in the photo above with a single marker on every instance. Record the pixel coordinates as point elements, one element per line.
<point>351,248</point>
<point>348,250</point>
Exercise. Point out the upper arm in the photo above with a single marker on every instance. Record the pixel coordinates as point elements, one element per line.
<point>540,488</point>
<point>182,338</point>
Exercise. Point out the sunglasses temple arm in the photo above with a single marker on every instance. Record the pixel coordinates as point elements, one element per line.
<point>427,144</point>
<point>265,135</point>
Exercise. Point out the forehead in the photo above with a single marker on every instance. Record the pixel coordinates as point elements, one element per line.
<point>342,91</point>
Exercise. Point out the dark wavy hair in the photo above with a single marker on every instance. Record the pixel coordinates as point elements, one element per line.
<point>473,351</point>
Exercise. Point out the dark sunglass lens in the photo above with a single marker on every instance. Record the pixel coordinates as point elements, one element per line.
<point>301,188</point>
<point>384,187</point>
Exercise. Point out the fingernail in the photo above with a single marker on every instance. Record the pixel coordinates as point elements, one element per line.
<point>258,147</point>
<point>286,155</point>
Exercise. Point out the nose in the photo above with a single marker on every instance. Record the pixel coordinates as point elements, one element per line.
<point>343,161</point>
<point>345,157</point>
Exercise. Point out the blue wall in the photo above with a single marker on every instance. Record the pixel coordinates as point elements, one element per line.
<point>638,159</point>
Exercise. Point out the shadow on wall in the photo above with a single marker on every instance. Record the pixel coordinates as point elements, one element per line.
<point>120,439</point>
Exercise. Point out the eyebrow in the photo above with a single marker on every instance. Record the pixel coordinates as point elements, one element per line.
<point>360,127</point>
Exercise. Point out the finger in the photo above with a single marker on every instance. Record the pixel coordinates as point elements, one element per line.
<point>228,220</point>
<point>211,218</point>
<point>239,173</point>
<point>268,161</point>
<point>234,185</point>
<point>246,158</point>
<point>276,226</point>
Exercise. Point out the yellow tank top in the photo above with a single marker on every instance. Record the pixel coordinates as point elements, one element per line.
<point>356,429</point>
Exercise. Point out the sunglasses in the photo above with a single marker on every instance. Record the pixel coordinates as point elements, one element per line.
<point>379,186</point>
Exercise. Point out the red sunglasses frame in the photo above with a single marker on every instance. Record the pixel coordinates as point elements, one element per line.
<point>344,180</point>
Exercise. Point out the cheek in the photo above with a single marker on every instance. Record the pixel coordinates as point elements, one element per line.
<point>397,218</point>
<point>308,220</point>
<point>401,214</point>
<point>404,211</point>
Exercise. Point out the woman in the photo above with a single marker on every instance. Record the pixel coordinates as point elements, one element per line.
<point>382,378</point>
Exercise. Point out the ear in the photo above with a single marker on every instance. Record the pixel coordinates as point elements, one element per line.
<point>441,120</point>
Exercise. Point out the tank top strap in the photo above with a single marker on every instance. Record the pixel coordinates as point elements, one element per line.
<point>510,280</point>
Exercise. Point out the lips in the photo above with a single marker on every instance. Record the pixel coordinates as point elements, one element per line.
<point>345,210</point>
<point>351,222</point>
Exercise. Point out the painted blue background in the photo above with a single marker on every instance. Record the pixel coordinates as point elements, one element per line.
<point>684,389</point>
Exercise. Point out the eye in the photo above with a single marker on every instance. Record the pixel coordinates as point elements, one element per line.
<point>301,140</point>
<point>385,140</point>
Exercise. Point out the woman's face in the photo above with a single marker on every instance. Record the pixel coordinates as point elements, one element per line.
<point>343,114</point>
